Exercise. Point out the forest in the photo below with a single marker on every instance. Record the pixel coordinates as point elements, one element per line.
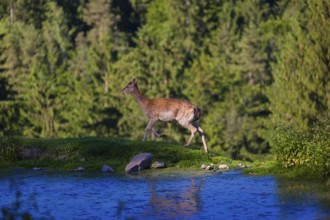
<point>258,70</point>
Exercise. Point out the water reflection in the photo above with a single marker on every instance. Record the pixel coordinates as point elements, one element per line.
<point>176,202</point>
<point>156,195</point>
<point>303,194</point>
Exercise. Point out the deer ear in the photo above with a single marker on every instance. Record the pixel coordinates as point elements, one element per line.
<point>134,81</point>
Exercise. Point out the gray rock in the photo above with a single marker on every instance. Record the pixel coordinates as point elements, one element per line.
<point>209,168</point>
<point>157,165</point>
<point>241,165</point>
<point>106,168</point>
<point>223,167</point>
<point>203,166</point>
<point>139,162</point>
<point>79,169</point>
<point>36,168</point>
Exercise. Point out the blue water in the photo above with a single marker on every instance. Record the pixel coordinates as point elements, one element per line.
<point>162,195</point>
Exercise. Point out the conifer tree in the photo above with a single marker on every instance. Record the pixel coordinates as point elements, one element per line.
<point>210,76</point>
<point>15,67</point>
<point>35,61</point>
<point>47,78</point>
<point>27,11</point>
<point>106,43</point>
<point>301,89</point>
<point>231,77</point>
<point>300,94</point>
<point>80,100</point>
<point>252,65</point>
<point>9,111</point>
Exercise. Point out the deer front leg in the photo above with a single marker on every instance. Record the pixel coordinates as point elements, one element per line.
<point>148,128</point>
<point>193,131</point>
<point>200,131</point>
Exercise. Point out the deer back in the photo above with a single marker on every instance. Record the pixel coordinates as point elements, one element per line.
<point>167,109</point>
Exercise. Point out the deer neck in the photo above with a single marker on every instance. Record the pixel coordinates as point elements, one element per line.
<point>139,98</point>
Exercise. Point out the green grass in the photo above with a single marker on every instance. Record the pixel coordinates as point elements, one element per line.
<point>93,152</point>
<point>272,167</point>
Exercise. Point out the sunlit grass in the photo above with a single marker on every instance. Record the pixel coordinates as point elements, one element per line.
<point>273,167</point>
<point>93,152</point>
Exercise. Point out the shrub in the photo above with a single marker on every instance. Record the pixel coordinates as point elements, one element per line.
<point>309,149</point>
<point>7,148</point>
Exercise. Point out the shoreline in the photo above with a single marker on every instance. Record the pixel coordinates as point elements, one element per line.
<point>93,152</point>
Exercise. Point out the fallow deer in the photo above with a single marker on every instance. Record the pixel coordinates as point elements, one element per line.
<point>167,109</point>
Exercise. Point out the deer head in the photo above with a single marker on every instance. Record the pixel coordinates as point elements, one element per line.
<point>131,86</point>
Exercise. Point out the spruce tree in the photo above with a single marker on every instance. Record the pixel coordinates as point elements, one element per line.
<point>34,67</point>
<point>46,87</point>
<point>301,91</point>
<point>106,43</point>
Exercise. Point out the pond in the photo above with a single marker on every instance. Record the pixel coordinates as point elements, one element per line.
<point>163,194</point>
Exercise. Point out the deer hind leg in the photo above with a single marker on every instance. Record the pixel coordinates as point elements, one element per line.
<point>155,132</point>
<point>148,128</point>
<point>200,131</point>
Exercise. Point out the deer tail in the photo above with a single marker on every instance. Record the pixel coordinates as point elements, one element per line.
<point>197,113</point>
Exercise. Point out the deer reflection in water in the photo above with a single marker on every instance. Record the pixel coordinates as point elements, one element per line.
<point>177,202</point>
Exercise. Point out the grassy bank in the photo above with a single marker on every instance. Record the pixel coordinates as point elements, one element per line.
<point>273,167</point>
<point>93,152</point>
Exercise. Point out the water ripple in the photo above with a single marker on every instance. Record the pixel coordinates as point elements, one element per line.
<point>231,195</point>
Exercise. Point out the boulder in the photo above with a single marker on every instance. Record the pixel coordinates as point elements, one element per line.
<point>209,168</point>
<point>203,166</point>
<point>241,165</point>
<point>139,162</point>
<point>106,168</point>
<point>79,169</point>
<point>223,167</point>
<point>157,165</point>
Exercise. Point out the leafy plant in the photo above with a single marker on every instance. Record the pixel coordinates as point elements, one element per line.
<point>309,149</point>
<point>7,148</point>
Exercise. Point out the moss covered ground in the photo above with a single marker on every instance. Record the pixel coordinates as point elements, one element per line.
<point>93,152</point>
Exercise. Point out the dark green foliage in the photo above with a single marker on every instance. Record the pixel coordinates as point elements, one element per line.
<point>300,95</point>
<point>301,90</point>
<point>7,149</point>
<point>253,67</point>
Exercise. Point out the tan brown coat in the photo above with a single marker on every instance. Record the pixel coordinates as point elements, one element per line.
<point>167,109</point>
